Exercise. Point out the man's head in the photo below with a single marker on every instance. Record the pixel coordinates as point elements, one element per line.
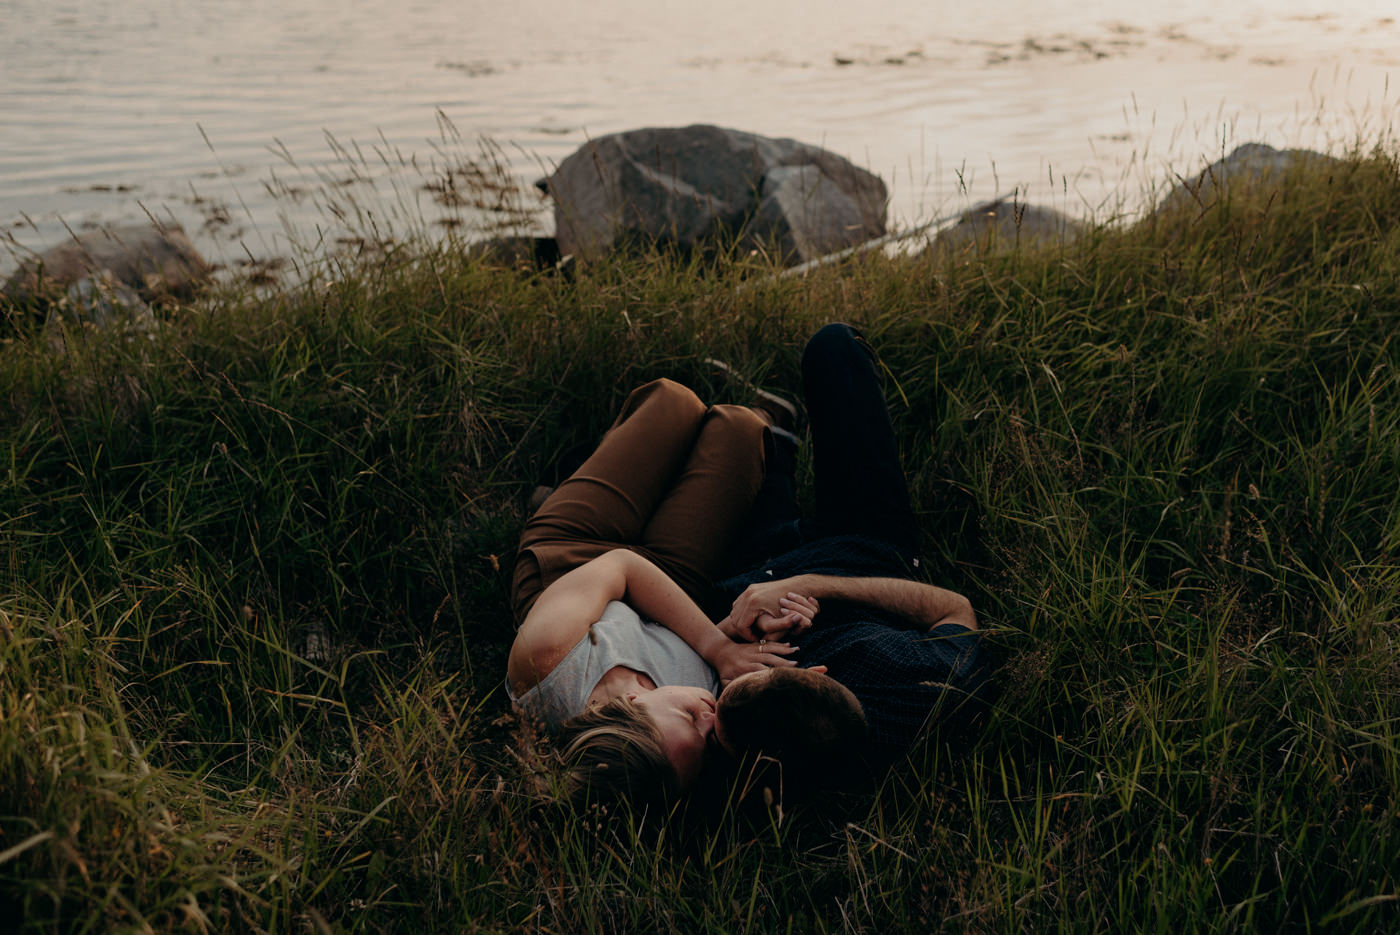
<point>645,746</point>
<point>808,721</point>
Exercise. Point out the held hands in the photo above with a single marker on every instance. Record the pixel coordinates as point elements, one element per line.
<point>769,610</point>
<point>794,617</point>
<point>763,618</point>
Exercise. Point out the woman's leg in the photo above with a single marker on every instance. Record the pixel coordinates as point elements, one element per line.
<point>692,529</point>
<point>772,525</point>
<point>609,501</point>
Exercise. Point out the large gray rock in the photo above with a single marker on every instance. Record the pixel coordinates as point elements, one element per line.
<point>698,185</point>
<point>1003,225</point>
<point>1249,164</point>
<point>152,260</point>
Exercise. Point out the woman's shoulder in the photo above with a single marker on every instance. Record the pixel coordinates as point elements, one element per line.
<point>564,690</point>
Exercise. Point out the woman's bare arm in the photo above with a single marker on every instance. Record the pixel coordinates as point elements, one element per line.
<point>568,607</point>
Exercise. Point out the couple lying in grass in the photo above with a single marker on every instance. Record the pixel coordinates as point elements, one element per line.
<point>828,654</point>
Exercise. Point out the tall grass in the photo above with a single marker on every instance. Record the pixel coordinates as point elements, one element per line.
<point>253,591</point>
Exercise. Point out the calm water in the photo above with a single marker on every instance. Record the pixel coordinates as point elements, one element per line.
<point>256,123</point>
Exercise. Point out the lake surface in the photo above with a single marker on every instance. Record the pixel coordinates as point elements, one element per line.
<point>288,127</point>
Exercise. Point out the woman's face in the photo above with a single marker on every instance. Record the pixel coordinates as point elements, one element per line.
<point>686,718</point>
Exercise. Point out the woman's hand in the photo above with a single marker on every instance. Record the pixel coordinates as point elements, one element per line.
<point>770,610</point>
<point>793,619</point>
<point>735,659</point>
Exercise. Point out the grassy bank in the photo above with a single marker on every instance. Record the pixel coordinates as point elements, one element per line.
<point>253,577</point>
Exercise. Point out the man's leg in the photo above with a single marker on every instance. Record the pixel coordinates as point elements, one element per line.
<point>611,498</point>
<point>860,486</point>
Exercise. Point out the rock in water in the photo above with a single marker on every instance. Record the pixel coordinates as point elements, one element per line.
<point>807,216</point>
<point>1004,224</point>
<point>522,253</point>
<point>150,259</point>
<point>1248,164</point>
<point>104,302</point>
<point>704,186</point>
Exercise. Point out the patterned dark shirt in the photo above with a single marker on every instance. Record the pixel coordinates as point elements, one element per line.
<point>905,679</point>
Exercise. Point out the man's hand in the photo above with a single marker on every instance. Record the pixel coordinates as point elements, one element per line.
<point>770,610</point>
<point>732,660</point>
<point>921,606</point>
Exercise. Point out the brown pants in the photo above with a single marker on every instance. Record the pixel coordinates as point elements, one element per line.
<point>671,480</point>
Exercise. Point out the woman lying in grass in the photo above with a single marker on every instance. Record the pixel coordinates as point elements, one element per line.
<point>607,574</point>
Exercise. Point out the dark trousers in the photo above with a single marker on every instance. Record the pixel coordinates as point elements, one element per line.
<point>860,485</point>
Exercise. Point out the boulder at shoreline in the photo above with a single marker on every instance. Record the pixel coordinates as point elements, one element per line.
<point>703,186</point>
<point>1002,225</point>
<point>523,252</point>
<point>103,301</point>
<point>152,260</point>
<point>1248,164</point>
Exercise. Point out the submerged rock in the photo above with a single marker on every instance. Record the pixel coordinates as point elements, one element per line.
<point>1249,164</point>
<point>704,186</point>
<point>152,260</point>
<point>1004,224</point>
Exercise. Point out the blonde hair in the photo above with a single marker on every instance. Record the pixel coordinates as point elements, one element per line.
<point>614,752</point>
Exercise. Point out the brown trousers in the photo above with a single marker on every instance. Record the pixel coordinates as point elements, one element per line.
<point>671,480</point>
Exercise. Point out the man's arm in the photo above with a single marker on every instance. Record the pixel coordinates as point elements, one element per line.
<point>924,606</point>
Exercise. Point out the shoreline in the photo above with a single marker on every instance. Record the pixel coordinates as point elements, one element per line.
<point>1082,111</point>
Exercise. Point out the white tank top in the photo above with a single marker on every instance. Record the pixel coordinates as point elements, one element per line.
<point>619,638</point>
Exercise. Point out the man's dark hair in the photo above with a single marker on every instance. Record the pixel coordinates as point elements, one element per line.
<point>809,722</point>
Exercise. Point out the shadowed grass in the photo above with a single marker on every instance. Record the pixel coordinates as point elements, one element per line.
<point>254,574</point>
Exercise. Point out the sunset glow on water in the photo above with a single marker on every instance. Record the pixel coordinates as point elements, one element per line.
<point>229,118</point>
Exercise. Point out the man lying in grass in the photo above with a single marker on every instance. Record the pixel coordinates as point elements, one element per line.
<point>906,651</point>
<point>635,701</point>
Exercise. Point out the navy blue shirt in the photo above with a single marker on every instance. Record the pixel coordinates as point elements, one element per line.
<point>905,679</point>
